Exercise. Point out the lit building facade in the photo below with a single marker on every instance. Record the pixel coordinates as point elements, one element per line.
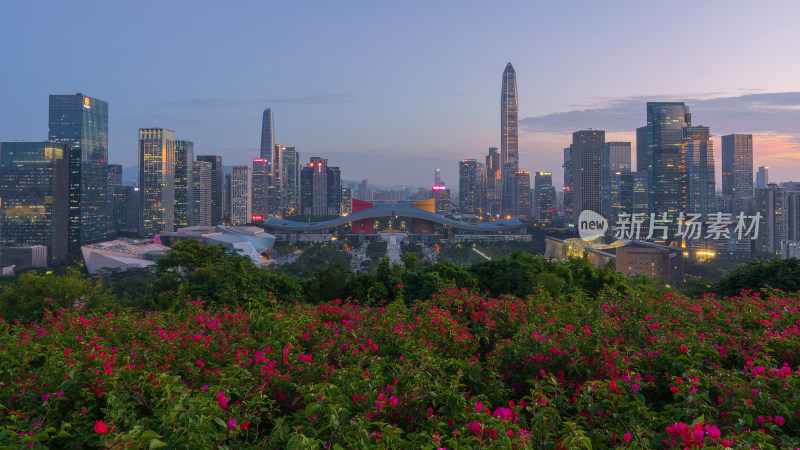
<point>494,185</point>
<point>468,186</point>
<point>665,162</point>
<point>291,177</point>
<point>522,186</point>
<point>544,196</point>
<point>441,196</point>
<point>567,189</point>
<point>321,189</point>
<point>267,135</point>
<point>260,208</point>
<point>184,157</point>
<point>34,193</point>
<point>241,195</point>
<point>156,181</point>
<point>82,123</point>
<point>113,180</point>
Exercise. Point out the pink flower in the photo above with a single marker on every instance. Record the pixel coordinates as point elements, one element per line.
<point>779,420</point>
<point>204,388</point>
<point>232,424</point>
<point>504,413</point>
<point>713,432</point>
<point>221,400</point>
<point>726,443</point>
<point>698,433</point>
<point>393,401</point>
<point>475,427</point>
<point>674,389</point>
<point>100,427</point>
<point>478,406</point>
<point>627,437</point>
<point>683,348</point>
<point>379,405</point>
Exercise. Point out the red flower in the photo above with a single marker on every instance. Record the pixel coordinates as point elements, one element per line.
<point>100,427</point>
<point>683,348</point>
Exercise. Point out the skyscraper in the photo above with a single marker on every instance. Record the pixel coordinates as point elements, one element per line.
<point>226,199</point>
<point>437,177</point>
<point>567,189</point>
<point>700,179</point>
<point>545,196</point>
<point>114,179</point>
<point>587,147</point>
<point>291,176</point>
<point>666,175</point>
<point>241,195</point>
<point>762,177</point>
<point>522,186</point>
<point>509,137</point>
<point>201,193</point>
<point>267,135</point>
<point>441,196</point>
<point>82,123</point>
<point>321,189</point>
<point>217,186</point>
<point>615,158</point>
<point>494,185</point>
<point>184,157</point>
<point>772,203</point>
<point>156,181</point>
<point>737,170</point>
<point>468,186</point>
<point>34,188</point>
<point>260,206</point>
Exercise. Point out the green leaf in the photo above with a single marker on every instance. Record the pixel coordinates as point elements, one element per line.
<point>221,422</point>
<point>150,434</point>
<point>748,418</point>
<point>699,419</point>
<point>155,443</point>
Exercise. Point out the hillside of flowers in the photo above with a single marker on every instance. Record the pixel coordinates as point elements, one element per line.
<point>459,370</point>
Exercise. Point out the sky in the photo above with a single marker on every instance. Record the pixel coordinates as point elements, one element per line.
<point>390,91</point>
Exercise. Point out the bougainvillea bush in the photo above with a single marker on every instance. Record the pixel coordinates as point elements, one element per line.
<point>457,371</point>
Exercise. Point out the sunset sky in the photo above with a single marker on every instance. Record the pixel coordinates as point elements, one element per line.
<point>392,90</point>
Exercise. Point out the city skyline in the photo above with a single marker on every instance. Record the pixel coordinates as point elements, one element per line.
<point>370,104</point>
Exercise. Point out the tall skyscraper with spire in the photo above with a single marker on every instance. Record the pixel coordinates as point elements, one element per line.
<point>267,135</point>
<point>509,136</point>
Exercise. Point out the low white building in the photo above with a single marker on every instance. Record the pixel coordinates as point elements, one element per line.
<point>121,254</point>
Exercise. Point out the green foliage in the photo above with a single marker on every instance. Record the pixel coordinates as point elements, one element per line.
<point>316,257</point>
<point>376,250</point>
<point>761,275</point>
<point>31,293</point>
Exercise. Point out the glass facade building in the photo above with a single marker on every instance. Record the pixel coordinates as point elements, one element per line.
<point>468,186</point>
<point>260,188</point>
<point>545,196</point>
<point>615,158</point>
<point>201,193</point>
<point>184,157</point>
<point>666,164</point>
<point>587,147</point>
<point>34,193</point>
<point>217,186</point>
<point>290,168</point>
<point>82,123</point>
<point>701,183</point>
<point>156,181</point>
<point>241,195</point>
<point>737,165</point>
<point>509,138</point>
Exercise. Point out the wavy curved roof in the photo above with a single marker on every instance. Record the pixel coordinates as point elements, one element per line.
<point>392,210</point>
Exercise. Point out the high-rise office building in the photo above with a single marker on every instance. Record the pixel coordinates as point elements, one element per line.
<point>666,174</point>
<point>347,200</point>
<point>700,178</point>
<point>468,186</point>
<point>156,181</point>
<point>126,210</point>
<point>615,157</point>
<point>267,135</point>
<point>494,185</point>
<point>773,206</point>
<point>291,177</point>
<point>217,186</point>
<point>184,157</point>
<point>509,138</point>
<point>226,199</point>
<point>321,189</point>
<point>522,186</point>
<point>201,193</point>
<point>113,180</point>
<point>34,188</point>
<point>762,177</point>
<point>82,123</point>
<point>437,177</point>
<point>737,171</point>
<point>241,195</point>
<point>587,146</point>
<point>567,189</point>
<point>260,208</point>
<point>545,196</point>
<point>362,193</point>
<point>277,189</point>
<point>441,198</point>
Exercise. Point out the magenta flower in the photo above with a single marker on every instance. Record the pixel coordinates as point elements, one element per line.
<point>221,400</point>
<point>393,401</point>
<point>232,424</point>
<point>475,427</point>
